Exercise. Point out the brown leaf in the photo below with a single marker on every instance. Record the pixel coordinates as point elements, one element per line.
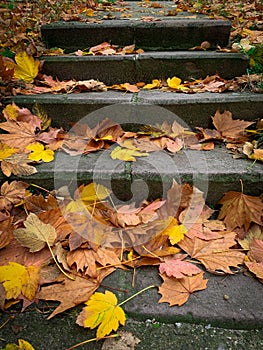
<point>17,164</point>
<point>12,194</point>
<point>38,203</point>
<point>5,73</point>
<point>70,293</point>
<point>178,268</point>
<point>6,232</point>
<point>256,268</point>
<point>214,254</point>
<point>240,210</point>
<point>229,127</point>
<point>177,291</point>
<point>256,250</point>
<point>21,134</point>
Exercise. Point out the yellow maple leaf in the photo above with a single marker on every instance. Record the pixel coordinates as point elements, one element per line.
<point>94,192</point>
<point>6,151</point>
<point>127,155</point>
<point>102,310</point>
<point>175,232</point>
<point>156,83</point>
<point>26,67</point>
<point>17,279</point>
<point>22,345</point>
<point>175,83</point>
<point>39,152</point>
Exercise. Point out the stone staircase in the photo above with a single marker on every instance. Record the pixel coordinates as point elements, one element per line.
<point>166,40</point>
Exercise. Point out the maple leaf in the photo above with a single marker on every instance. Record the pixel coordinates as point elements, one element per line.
<point>17,164</point>
<point>39,152</point>
<point>240,210</point>
<point>175,232</point>
<point>178,268</point>
<point>102,310</point>
<point>36,234</point>
<point>214,254</point>
<point>92,192</point>
<point>177,291</point>
<point>12,194</point>
<point>18,279</point>
<point>156,83</point>
<point>6,151</point>
<point>229,127</point>
<point>20,134</point>
<point>256,268</point>
<point>71,292</point>
<point>125,154</point>
<point>174,83</point>
<point>255,231</point>
<point>26,67</point>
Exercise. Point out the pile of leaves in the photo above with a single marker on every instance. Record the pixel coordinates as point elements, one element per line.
<point>28,139</point>
<point>65,246</point>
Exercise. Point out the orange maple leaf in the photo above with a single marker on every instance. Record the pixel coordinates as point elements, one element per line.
<point>177,291</point>
<point>214,254</point>
<point>240,210</point>
<point>178,268</point>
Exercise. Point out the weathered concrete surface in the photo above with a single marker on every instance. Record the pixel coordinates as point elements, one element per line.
<point>193,109</point>
<point>147,66</point>
<point>61,332</point>
<point>213,172</point>
<point>229,301</point>
<point>179,31</point>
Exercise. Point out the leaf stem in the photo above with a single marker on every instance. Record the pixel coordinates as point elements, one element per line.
<point>135,295</point>
<point>56,262</point>
<point>90,340</point>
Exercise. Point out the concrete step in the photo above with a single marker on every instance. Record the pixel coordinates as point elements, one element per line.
<point>116,69</point>
<point>213,172</point>
<point>193,109</point>
<point>181,32</point>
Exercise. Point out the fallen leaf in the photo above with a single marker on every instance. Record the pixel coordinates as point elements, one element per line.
<point>125,341</point>
<point>178,268</point>
<point>17,164</point>
<point>69,293</point>
<point>12,194</point>
<point>36,234</point>
<point>18,279</point>
<point>255,231</point>
<point>256,250</point>
<point>102,311</point>
<point>40,152</point>
<point>175,232</point>
<point>214,254</point>
<point>256,268</point>
<point>177,291</point>
<point>229,127</point>
<point>127,155</point>
<point>6,232</point>
<point>240,210</point>
<point>6,151</point>
<point>26,67</point>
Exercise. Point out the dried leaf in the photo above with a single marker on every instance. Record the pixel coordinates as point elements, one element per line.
<point>178,268</point>
<point>229,127</point>
<point>17,164</point>
<point>177,291</point>
<point>102,311</point>
<point>214,254</point>
<point>36,234</point>
<point>256,268</point>
<point>125,154</point>
<point>240,210</point>
<point>12,194</point>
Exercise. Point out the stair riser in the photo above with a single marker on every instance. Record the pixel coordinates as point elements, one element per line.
<point>151,177</point>
<point>160,35</point>
<point>136,68</point>
<point>194,110</point>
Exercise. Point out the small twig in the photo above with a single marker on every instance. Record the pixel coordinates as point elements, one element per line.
<point>136,294</point>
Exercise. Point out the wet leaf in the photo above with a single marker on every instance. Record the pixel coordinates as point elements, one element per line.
<point>26,67</point>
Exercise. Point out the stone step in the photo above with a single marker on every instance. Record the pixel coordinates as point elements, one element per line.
<point>213,172</point>
<point>180,32</point>
<point>193,109</point>
<point>115,69</point>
